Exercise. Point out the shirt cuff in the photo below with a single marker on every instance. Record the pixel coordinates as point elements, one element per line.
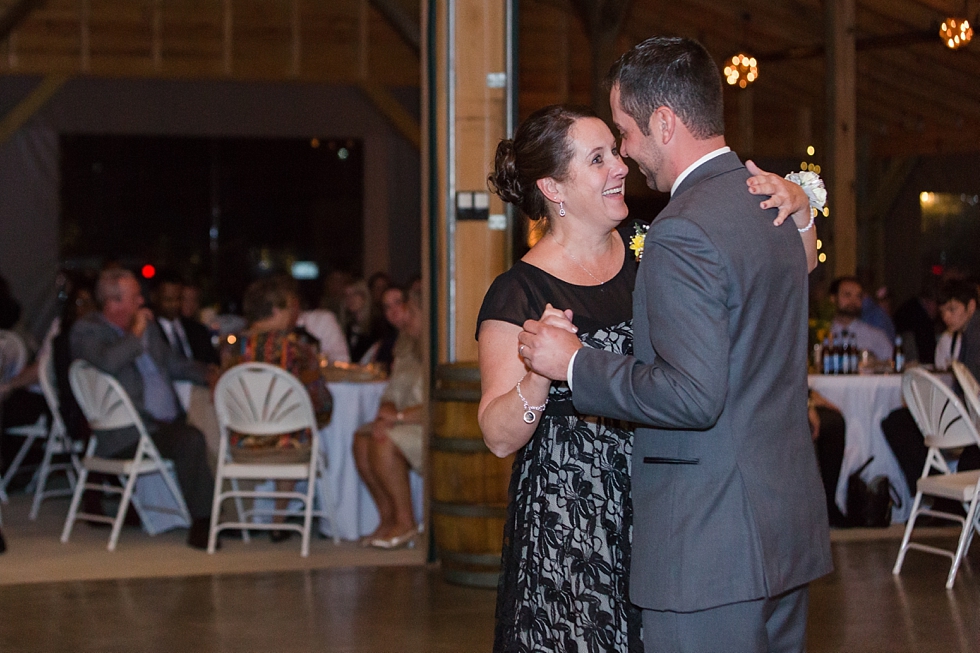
<point>568,372</point>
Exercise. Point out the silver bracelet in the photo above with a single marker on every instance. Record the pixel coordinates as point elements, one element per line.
<point>529,416</point>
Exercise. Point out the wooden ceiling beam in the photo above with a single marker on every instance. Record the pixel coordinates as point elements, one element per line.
<point>16,14</point>
<point>402,22</point>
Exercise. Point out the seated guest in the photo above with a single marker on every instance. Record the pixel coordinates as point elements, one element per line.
<point>827,431</point>
<point>874,313</point>
<point>393,307</point>
<point>363,327</point>
<point>324,326</point>
<point>271,308</point>
<point>187,337</point>
<point>388,447</point>
<point>903,435</point>
<point>917,317</point>
<point>957,304</point>
<point>846,295</point>
<point>190,301</point>
<point>123,340</point>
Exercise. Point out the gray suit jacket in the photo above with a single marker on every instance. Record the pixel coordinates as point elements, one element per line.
<point>727,499</point>
<point>94,340</point>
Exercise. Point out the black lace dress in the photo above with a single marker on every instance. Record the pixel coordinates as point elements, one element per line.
<point>566,549</point>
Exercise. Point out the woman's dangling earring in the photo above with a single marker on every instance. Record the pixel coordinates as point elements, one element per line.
<point>561,209</point>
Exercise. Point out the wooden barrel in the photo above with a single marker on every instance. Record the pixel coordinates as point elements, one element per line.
<point>469,484</point>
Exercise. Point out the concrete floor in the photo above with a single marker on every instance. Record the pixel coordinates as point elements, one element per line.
<point>860,608</point>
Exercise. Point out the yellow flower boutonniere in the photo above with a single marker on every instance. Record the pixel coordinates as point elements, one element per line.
<point>638,239</point>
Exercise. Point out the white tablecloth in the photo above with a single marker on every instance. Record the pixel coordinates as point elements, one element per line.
<point>864,401</point>
<point>354,404</point>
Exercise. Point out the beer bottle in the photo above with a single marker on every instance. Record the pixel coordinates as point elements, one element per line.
<point>898,355</point>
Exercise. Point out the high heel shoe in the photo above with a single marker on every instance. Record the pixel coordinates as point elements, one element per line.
<point>405,539</point>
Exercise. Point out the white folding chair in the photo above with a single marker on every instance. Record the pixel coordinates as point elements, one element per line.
<point>946,426</point>
<point>258,399</point>
<point>106,406</point>
<point>13,357</point>
<point>57,443</point>
<point>971,389</point>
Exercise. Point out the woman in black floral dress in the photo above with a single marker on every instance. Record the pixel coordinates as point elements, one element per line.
<point>564,582</point>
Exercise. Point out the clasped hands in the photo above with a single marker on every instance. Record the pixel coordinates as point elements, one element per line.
<point>547,344</point>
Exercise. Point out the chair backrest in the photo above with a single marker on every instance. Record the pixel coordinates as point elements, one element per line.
<point>13,354</point>
<point>939,413</point>
<point>262,399</point>
<point>45,374</point>
<point>102,399</point>
<point>971,389</point>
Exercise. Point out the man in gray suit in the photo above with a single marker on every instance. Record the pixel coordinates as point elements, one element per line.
<point>729,521</point>
<point>124,340</point>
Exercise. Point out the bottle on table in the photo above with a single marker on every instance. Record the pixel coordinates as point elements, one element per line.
<point>845,352</point>
<point>826,357</point>
<point>898,355</point>
<point>853,353</point>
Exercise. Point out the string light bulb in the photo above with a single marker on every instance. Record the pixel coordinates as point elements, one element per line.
<point>955,32</point>
<point>741,70</point>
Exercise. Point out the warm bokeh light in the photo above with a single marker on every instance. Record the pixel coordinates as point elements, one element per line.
<point>956,32</point>
<point>741,71</point>
<point>810,150</point>
<point>148,271</point>
<point>819,244</point>
<point>232,339</point>
<point>822,258</point>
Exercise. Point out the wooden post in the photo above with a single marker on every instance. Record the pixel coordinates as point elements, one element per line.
<point>842,111</point>
<point>470,118</point>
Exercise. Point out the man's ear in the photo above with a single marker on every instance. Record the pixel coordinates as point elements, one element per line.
<point>663,121</point>
<point>549,188</point>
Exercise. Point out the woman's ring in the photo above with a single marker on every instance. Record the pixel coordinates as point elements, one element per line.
<point>520,350</point>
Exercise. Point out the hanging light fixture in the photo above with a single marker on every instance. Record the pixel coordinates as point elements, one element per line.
<point>741,70</point>
<point>956,32</point>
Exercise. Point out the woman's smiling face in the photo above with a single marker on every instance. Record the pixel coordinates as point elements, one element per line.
<point>594,188</point>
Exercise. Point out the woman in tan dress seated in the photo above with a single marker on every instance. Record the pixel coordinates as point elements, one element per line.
<point>388,447</point>
<point>271,307</point>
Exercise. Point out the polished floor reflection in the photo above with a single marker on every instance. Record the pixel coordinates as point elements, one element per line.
<point>860,608</point>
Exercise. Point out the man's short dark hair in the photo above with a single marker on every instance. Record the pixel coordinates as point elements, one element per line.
<point>835,284</point>
<point>674,72</point>
<point>961,290</point>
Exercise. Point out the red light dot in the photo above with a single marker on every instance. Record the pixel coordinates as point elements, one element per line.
<point>148,271</point>
<point>937,270</point>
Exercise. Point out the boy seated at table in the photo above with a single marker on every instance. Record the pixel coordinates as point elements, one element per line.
<point>957,306</point>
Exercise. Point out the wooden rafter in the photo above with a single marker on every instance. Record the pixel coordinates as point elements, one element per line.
<point>16,14</point>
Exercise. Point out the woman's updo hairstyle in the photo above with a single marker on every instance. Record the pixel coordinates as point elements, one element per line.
<point>539,149</point>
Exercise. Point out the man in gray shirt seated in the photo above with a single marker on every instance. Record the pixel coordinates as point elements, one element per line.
<point>123,340</point>
<point>846,295</point>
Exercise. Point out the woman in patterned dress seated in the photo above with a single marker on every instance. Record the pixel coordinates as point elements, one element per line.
<point>271,307</point>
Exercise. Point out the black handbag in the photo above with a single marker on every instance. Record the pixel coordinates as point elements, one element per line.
<point>869,505</point>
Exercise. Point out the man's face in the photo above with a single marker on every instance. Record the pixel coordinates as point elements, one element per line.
<point>190,302</point>
<point>122,311</point>
<point>394,307</point>
<point>642,148</point>
<point>168,301</point>
<point>956,314</point>
<point>849,296</point>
